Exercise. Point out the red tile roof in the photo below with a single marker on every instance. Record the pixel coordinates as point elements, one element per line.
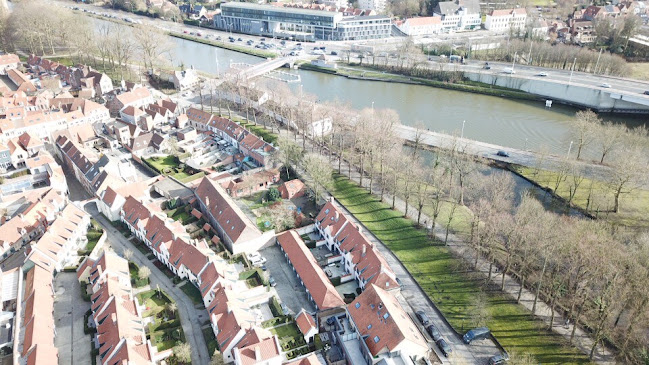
<point>312,359</point>
<point>317,284</point>
<point>382,322</point>
<point>227,214</point>
<point>305,322</point>
<point>259,352</point>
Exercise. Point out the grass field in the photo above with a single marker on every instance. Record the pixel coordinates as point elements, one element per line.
<point>634,207</point>
<point>210,340</point>
<point>192,292</point>
<point>444,279</point>
<point>640,70</point>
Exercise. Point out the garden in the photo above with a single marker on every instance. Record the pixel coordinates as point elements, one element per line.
<point>170,165</point>
<point>94,234</point>
<point>165,330</point>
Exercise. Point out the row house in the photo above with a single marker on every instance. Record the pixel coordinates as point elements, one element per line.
<point>82,77</point>
<point>234,229</point>
<point>583,32</point>
<point>506,20</point>
<point>245,141</point>
<point>238,332</point>
<point>359,255</point>
<point>318,287</point>
<point>35,341</point>
<point>116,313</point>
<point>88,111</point>
<point>23,82</point>
<point>459,15</point>
<point>311,359</point>
<point>136,98</point>
<point>421,26</point>
<point>384,329</point>
<point>77,160</point>
<point>594,12</point>
<point>169,243</point>
<point>58,246</point>
<point>32,222</point>
<point>8,62</point>
<point>236,328</point>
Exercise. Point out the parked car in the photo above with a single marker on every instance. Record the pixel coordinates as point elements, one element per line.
<point>422,317</point>
<point>184,31</point>
<point>433,332</point>
<point>499,359</point>
<point>256,259</point>
<point>444,347</point>
<point>476,334</point>
<point>646,92</point>
<point>199,34</point>
<point>240,40</point>
<point>542,74</point>
<point>271,281</point>
<point>263,39</point>
<point>334,53</point>
<point>605,85</point>
<point>502,153</point>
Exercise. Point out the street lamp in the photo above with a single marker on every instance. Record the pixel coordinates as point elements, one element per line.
<point>572,69</point>
<point>569,148</point>
<point>462,135</point>
<point>514,61</point>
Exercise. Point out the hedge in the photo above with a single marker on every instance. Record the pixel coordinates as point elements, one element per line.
<point>275,307</point>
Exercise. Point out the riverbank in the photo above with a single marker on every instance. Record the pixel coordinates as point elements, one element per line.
<point>369,74</point>
<point>593,198</point>
<point>220,44</point>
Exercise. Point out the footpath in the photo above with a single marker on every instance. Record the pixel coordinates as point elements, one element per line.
<point>460,248</point>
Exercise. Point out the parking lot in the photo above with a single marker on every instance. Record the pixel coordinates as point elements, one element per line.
<point>288,288</point>
<point>69,308</point>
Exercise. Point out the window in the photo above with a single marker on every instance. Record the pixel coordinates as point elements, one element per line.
<point>369,326</point>
<point>385,316</point>
<point>376,339</point>
<point>358,305</point>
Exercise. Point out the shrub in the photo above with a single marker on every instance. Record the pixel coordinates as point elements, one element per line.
<point>273,194</point>
<point>275,307</point>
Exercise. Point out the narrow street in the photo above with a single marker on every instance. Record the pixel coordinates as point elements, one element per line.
<point>191,318</point>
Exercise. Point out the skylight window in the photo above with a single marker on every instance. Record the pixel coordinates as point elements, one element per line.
<point>358,305</point>
<point>376,339</point>
<point>385,316</point>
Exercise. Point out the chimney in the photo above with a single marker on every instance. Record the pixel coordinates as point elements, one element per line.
<point>207,202</point>
<point>258,354</point>
<point>113,317</point>
<point>331,199</point>
<point>364,250</point>
<point>337,216</point>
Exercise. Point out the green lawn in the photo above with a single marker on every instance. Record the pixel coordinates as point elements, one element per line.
<point>135,279</point>
<point>93,235</point>
<point>192,292</point>
<point>260,131</point>
<point>154,303</point>
<point>210,340</point>
<point>634,207</point>
<point>640,70</point>
<point>163,164</point>
<point>447,283</point>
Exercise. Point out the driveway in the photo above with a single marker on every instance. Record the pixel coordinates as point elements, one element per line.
<point>289,289</point>
<point>191,318</point>
<point>69,308</point>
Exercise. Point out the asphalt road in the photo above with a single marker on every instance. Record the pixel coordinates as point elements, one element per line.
<point>490,151</point>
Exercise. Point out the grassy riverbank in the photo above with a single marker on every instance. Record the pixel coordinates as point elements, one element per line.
<point>446,281</point>
<point>231,47</point>
<point>593,196</point>
<point>366,73</point>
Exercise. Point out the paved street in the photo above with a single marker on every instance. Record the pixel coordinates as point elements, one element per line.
<point>69,308</point>
<point>191,318</point>
<point>289,289</point>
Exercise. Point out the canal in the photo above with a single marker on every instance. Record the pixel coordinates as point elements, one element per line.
<point>510,123</point>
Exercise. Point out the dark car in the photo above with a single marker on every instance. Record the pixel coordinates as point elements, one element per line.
<point>239,39</point>
<point>499,359</point>
<point>271,281</point>
<point>263,39</point>
<point>444,347</point>
<point>433,332</point>
<point>646,92</point>
<point>502,153</point>
<point>334,53</point>
<point>476,334</point>
<point>422,317</point>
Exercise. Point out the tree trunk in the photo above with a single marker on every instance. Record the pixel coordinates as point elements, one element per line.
<point>538,286</point>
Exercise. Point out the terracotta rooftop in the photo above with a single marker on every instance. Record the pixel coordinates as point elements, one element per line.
<point>317,284</point>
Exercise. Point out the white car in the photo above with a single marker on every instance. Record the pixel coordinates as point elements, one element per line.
<point>256,259</point>
<point>509,70</point>
<point>605,85</point>
<point>543,74</point>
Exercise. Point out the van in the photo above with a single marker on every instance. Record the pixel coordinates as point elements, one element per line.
<point>476,334</point>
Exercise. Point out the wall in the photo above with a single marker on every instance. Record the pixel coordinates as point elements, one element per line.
<point>602,100</point>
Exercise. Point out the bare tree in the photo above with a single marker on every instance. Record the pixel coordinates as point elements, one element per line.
<point>183,353</point>
<point>629,173</point>
<point>290,154</point>
<point>585,129</point>
<point>609,138</point>
<point>144,272</point>
<point>318,169</point>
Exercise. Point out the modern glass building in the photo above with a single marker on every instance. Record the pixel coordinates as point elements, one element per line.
<point>299,24</point>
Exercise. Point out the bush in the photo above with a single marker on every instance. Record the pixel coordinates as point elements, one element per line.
<point>335,281</point>
<point>275,307</point>
<point>273,194</point>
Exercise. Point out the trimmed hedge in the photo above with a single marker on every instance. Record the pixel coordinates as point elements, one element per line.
<point>275,307</point>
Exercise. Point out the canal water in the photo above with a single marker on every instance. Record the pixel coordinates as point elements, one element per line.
<point>510,123</point>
